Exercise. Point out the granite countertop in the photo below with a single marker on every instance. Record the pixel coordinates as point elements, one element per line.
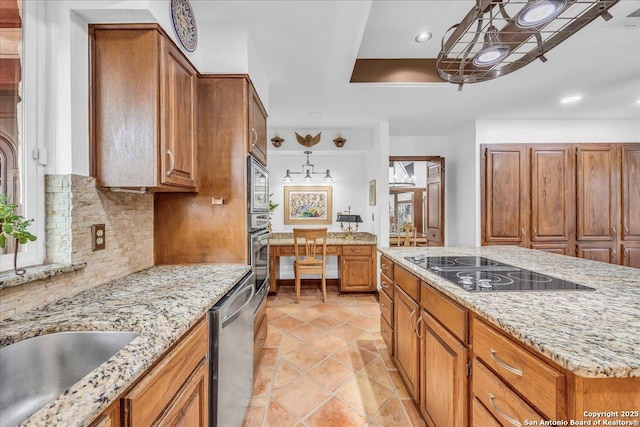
<point>160,303</point>
<point>333,238</point>
<point>590,333</point>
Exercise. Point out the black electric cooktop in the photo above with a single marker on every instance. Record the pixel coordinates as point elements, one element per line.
<point>479,274</point>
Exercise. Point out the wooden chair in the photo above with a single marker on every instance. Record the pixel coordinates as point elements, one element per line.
<point>310,246</point>
<point>410,235</point>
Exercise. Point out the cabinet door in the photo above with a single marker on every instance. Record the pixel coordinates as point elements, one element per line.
<point>631,254</point>
<point>552,194</point>
<point>630,192</point>
<point>443,396</point>
<point>435,203</point>
<point>356,274</point>
<point>505,195</point>
<point>405,318</point>
<point>179,101</point>
<point>257,128</point>
<point>597,192</point>
<point>190,407</point>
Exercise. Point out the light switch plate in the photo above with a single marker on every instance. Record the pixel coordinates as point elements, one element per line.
<point>98,237</point>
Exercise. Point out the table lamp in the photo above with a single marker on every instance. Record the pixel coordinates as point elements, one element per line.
<point>349,218</point>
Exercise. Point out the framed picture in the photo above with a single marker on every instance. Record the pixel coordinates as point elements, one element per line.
<point>372,192</point>
<point>307,205</point>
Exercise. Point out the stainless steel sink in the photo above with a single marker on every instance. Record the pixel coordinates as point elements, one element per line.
<point>35,371</point>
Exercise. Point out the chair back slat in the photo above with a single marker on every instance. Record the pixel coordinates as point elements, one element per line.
<point>310,244</point>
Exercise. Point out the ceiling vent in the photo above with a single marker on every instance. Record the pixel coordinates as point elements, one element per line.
<point>498,37</point>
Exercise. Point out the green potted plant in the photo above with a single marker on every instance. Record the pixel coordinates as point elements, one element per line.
<point>13,226</point>
<point>272,207</point>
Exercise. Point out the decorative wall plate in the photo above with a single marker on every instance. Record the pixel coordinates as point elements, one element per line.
<point>184,24</point>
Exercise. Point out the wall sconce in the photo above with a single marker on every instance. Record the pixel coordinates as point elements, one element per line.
<point>339,141</point>
<point>349,218</point>
<point>277,141</point>
<point>307,171</point>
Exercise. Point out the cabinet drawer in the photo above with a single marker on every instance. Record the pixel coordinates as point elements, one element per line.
<point>333,250</point>
<point>356,250</point>
<point>481,416</point>
<point>259,316</point>
<point>450,314</point>
<point>148,399</point>
<point>386,307</point>
<point>286,250</point>
<point>505,406</point>
<point>542,385</point>
<point>386,285</point>
<point>386,266</point>
<point>387,334</point>
<point>408,282</point>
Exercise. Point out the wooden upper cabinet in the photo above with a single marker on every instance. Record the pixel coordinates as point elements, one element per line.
<point>630,154</point>
<point>505,194</point>
<point>143,104</point>
<point>552,193</point>
<point>597,192</point>
<point>257,128</point>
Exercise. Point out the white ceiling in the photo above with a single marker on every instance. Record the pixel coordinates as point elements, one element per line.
<point>308,49</point>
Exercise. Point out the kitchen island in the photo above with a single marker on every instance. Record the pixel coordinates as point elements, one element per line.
<point>586,342</point>
<point>161,304</point>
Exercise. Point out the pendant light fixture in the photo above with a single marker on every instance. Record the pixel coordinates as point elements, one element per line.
<point>308,170</point>
<point>497,37</point>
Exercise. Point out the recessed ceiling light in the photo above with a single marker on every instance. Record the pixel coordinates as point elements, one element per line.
<point>315,114</point>
<point>571,99</point>
<point>423,37</point>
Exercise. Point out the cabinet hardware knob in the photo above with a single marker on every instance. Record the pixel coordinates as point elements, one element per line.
<point>613,230</point>
<point>413,313</point>
<point>613,253</point>
<point>513,421</point>
<point>384,285</point>
<point>626,230</point>
<point>535,231</point>
<point>383,307</point>
<point>626,252</point>
<point>172,163</point>
<point>509,368</point>
<point>522,232</point>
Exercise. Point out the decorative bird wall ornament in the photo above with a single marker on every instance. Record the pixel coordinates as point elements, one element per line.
<point>308,141</point>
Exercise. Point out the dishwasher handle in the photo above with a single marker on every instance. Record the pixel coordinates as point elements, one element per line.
<point>227,317</point>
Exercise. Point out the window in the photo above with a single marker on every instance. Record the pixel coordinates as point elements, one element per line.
<point>20,177</point>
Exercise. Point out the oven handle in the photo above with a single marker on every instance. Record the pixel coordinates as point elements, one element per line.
<point>229,318</point>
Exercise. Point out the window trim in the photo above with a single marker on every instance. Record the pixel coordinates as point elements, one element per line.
<point>31,170</point>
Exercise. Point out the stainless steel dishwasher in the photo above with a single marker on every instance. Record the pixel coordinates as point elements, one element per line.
<point>231,354</point>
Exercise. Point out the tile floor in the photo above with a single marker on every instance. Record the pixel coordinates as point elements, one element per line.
<point>327,365</point>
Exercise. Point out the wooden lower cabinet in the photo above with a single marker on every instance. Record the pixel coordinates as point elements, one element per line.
<point>260,330</point>
<point>631,254</point>
<point>405,342</point>
<point>174,392</point>
<point>356,274</point>
<point>443,376</point>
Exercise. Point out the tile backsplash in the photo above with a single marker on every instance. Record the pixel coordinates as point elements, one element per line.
<point>73,205</point>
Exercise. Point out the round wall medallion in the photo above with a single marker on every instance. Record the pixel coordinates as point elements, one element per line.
<point>184,24</point>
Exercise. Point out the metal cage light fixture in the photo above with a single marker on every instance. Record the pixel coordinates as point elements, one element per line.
<point>308,170</point>
<point>497,37</point>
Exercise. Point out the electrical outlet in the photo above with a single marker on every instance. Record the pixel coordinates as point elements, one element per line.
<point>98,237</point>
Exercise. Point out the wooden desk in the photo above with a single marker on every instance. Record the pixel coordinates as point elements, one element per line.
<point>356,266</point>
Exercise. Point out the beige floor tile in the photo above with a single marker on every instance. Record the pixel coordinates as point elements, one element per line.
<point>304,358</point>
<point>277,416</point>
<point>377,371</point>
<point>284,375</point>
<point>306,332</point>
<point>259,401</point>
<point>274,335</point>
<point>274,313</point>
<point>366,396</point>
<point>348,332</point>
<point>335,413</point>
<point>368,322</point>
<point>301,397</point>
<point>326,322</point>
<point>393,413</point>
<point>255,416</point>
<point>414,414</point>
<point>286,323</point>
<point>328,343</point>
<point>366,341</point>
<point>262,381</point>
<point>331,374</point>
<point>397,381</point>
<point>269,357</point>
<point>354,357</point>
<point>288,343</point>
